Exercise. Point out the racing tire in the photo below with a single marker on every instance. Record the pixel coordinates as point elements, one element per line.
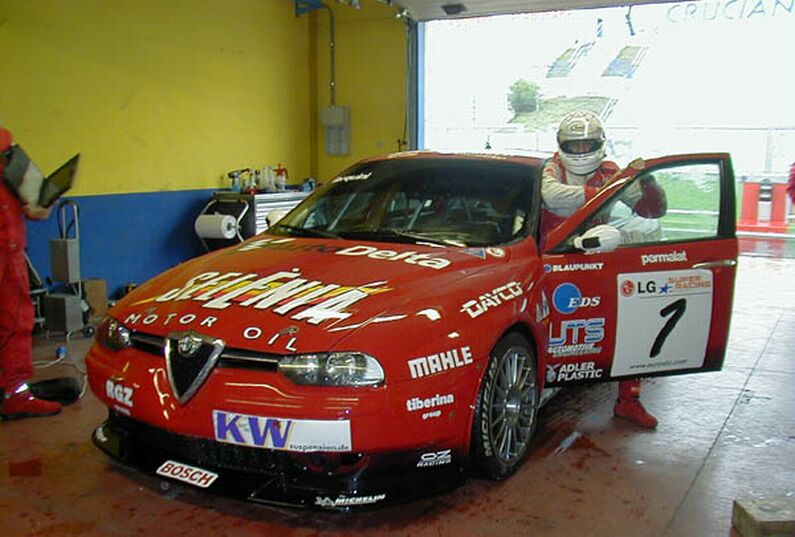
<point>506,408</point>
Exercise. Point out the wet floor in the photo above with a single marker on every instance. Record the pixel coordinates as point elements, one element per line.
<point>722,436</point>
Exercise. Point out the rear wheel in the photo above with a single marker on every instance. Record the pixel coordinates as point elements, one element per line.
<point>506,408</point>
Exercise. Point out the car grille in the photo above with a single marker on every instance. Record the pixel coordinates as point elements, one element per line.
<point>200,451</point>
<point>235,358</point>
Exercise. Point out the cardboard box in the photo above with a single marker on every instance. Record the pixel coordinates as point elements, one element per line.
<point>96,294</point>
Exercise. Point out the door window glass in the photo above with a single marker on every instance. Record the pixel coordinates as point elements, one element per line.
<point>675,203</point>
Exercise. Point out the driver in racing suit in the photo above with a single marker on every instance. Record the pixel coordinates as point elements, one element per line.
<point>572,177</point>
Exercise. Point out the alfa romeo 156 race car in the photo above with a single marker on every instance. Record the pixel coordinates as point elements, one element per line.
<point>394,332</point>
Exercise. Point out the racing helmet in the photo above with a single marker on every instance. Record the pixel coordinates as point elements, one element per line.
<point>581,140</point>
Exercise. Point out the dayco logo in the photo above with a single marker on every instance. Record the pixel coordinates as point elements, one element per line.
<point>348,501</point>
<point>673,257</point>
<point>436,363</point>
<point>492,299</point>
<point>119,393</point>
<point>288,244</point>
<point>282,292</point>
<point>436,458</point>
<point>415,403</point>
<point>569,372</point>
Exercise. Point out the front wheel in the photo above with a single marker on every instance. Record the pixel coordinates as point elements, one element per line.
<point>506,408</point>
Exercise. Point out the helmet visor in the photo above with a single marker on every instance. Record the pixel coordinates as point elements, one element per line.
<point>581,147</point>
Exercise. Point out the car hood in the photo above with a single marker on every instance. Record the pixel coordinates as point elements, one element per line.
<point>276,294</point>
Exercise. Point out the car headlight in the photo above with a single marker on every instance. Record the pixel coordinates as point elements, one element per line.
<point>333,369</point>
<point>112,334</point>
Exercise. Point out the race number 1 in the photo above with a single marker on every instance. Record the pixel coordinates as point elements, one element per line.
<point>663,321</point>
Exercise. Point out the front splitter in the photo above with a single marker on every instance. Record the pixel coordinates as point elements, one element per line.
<point>275,477</point>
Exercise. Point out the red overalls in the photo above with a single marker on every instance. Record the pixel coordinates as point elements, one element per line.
<point>16,309</point>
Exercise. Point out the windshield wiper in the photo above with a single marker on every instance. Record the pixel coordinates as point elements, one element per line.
<point>306,231</point>
<point>397,234</point>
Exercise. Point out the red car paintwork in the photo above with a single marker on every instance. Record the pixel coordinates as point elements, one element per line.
<point>408,301</point>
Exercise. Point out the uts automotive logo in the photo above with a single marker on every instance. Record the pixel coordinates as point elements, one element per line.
<point>567,299</point>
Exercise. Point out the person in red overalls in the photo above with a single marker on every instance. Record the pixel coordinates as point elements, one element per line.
<point>16,309</point>
<point>573,176</point>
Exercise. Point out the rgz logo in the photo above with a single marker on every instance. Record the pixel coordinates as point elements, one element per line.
<point>119,393</point>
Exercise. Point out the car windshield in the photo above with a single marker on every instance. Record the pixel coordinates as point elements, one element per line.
<point>446,201</point>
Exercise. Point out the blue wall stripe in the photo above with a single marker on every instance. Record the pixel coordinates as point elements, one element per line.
<point>125,237</point>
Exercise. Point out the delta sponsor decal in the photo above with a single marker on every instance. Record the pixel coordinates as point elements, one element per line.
<point>435,458</point>
<point>348,501</point>
<point>415,403</point>
<point>673,257</point>
<point>572,372</point>
<point>567,299</point>
<point>282,434</point>
<point>197,477</point>
<point>428,260</point>
<point>492,299</point>
<point>437,363</point>
<point>573,267</point>
<point>283,293</point>
<point>576,337</point>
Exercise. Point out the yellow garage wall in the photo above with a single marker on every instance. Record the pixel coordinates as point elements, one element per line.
<point>371,67</point>
<point>163,94</point>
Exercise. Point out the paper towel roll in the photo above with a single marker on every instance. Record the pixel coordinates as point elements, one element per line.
<point>216,226</point>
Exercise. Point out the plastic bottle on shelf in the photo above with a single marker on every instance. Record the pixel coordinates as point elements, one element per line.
<point>268,179</point>
<point>281,178</point>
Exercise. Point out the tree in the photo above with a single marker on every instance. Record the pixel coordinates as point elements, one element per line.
<point>523,96</point>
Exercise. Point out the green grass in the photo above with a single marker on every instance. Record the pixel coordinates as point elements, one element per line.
<point>551,111</point>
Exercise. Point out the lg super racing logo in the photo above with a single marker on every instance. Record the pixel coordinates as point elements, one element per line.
<point>283,293</point>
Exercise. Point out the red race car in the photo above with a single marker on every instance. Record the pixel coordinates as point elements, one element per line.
<point>397,329</point>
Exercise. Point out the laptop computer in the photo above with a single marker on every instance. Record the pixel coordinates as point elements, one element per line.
<point>24,178</point>
<point>58,182</point>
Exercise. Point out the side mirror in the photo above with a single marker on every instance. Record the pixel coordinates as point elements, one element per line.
<point>599,239</point>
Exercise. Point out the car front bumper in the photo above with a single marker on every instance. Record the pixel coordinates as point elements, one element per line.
<point>312,480</point>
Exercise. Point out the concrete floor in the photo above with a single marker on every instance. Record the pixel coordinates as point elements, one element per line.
<point>722,436</point>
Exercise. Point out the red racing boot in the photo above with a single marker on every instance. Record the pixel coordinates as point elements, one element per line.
<point>629,407</point>
<point>22,404</point>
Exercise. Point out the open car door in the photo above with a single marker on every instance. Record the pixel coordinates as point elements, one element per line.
<point>641,279</point>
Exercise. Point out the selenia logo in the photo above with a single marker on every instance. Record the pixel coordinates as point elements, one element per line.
<point>281,292</point>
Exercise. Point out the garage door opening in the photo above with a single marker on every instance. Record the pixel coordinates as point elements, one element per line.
<point>666,78</point>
